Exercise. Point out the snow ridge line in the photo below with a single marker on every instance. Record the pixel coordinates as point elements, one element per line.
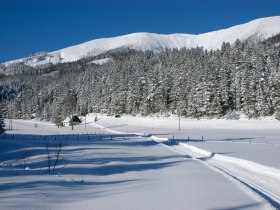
<point>246,164</point>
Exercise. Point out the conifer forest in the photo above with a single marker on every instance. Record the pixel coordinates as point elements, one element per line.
<point>240,78</point>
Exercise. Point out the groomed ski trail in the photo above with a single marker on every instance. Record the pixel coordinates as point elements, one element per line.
<point>263,180</point>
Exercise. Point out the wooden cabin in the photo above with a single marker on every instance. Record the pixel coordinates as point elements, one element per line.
<point>68,121</point>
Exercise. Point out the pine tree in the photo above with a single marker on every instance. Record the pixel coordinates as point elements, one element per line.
<point>242,77</point>
<point>2,123</point>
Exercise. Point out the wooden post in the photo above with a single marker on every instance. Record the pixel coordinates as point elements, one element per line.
<point>188,138</point>
<point>202,138</point>
<point>85,122</point>
<point>179,122</point>
<point>11,122</point>
<point>72,120</point>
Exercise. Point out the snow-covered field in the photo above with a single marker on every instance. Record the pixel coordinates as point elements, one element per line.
<point>109,167</point>
<point>255,140</point>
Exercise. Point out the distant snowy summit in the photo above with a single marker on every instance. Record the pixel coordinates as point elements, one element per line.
<point>261,28</point>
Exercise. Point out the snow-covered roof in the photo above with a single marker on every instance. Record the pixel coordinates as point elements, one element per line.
<point>66,120</point>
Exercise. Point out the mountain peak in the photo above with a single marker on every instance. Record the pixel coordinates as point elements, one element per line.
<point>262,28</point>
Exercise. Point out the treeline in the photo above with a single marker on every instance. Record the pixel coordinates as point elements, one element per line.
<point>239,78</point>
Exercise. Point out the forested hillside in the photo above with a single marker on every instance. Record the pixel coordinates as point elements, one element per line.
<point>239,78</point>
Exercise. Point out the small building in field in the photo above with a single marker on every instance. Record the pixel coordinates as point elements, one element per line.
<point>68,121</point>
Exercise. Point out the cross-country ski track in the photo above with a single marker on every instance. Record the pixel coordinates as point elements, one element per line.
<point>257,178</point>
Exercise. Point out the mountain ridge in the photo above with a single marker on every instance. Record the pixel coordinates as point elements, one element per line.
<point>261,28</point>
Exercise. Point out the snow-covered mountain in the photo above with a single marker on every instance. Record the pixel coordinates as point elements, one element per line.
<point>260,28</point>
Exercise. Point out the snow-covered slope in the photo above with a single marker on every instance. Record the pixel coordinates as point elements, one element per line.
<point>261,28</point>
<point>102,61</point>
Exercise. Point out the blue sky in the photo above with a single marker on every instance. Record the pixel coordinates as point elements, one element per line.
<point>28,26</point>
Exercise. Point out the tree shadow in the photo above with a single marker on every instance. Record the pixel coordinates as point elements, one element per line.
<point>245,206</point>
<point>115,126</point>
<point>108,160</point>
<point>240,139</point>
<point>58,183</point>
<point>118,168</point>
<point>77,156</point>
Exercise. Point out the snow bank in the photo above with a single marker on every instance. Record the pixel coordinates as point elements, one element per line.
<point>248,165</point>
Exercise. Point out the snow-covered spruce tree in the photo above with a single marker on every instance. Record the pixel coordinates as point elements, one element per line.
<point>242,77</point>
<point>2,123</point>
